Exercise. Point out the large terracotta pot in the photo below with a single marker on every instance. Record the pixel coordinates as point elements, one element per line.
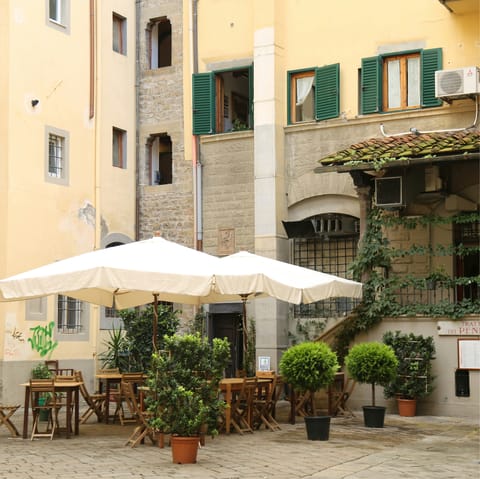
<point>407,407</point>
<point>184,449</point>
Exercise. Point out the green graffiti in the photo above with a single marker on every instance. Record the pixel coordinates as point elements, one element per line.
<point>41,339</point>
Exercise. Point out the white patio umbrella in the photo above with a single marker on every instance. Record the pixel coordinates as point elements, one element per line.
<point>248,275</point>
<point>123,276</point>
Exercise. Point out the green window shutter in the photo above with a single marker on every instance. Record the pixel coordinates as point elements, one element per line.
<point>327,92</point>
<point>370,85</point>
<point>431,60</point>
<point>203,88</point>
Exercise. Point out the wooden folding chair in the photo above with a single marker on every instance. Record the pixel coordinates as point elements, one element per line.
<point>52,365</point>
<point>264,407</point>
<point>6,412</point>
<point>95,402</point>
<point>242,406</point>
<point>124,410</point>
<point>43,398</point>
<point>61,397</point>
<point>339,404</point>
<point>143,428</point>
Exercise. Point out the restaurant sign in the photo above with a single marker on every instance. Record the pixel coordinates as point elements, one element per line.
<point>459,328</point>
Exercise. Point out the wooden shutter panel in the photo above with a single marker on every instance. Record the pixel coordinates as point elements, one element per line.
<point>431,60</point>
<point>203,88</point>
<point>327,92</point>
<point>370,85</point>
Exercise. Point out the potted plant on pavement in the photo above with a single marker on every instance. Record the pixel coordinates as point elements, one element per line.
<point>372,363</point>
<point>414,378</point>
<point>307,367</point>
<point>184,381</point>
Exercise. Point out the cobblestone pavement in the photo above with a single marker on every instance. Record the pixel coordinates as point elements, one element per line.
<point>418,447</point>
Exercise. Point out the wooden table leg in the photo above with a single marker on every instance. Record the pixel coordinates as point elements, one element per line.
<point>228,410</point>
<point>77,412</point>
<point>26,406</point>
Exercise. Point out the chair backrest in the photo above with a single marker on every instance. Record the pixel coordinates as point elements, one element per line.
<point>109,371</point>
<point>83,389</point>
<point>52,365</point>
<point>128,395</point>
<point>42,388</point>
<point>65,372</point>
<point>63,378</point>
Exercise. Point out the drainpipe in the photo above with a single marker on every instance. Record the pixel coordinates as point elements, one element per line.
<point>196,156</point>
<point>137,126</point>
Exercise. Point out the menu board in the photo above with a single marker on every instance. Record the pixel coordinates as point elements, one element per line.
<point>468,353</point>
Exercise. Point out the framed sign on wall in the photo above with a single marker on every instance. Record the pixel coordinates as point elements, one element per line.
<point>468,353</point>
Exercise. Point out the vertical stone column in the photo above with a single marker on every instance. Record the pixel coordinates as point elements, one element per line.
<point>269,168</point>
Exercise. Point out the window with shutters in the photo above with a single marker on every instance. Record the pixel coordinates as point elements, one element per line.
<point>223,101</point>
<point>399,81</point>
<point>314,94</point>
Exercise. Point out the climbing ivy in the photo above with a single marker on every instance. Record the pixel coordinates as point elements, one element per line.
<point>380,290</point>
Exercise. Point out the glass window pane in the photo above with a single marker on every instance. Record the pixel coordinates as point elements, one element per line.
<point>394,84</point>
<point>413,81</point>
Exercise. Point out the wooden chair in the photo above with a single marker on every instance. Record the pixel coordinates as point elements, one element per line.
<point>62,397</point>
<point>43,398</point>
<point>124,410</point>
<point>263,406</point>
<point>141,418</point>
<point>340,397</point>
<point>6,412</point>
<point>95,402</point>
<point>241,407</point>
<point>52,365</point>
<point>64,372</point>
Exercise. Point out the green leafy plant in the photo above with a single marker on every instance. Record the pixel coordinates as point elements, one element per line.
<point>414,379</point>
<point>116,354</point>
<point>309,366</point>
<point>373,265</point>
<point>130,348</point>
<point>41,371</point>
<point>183,379</point>
<point>372,363</point>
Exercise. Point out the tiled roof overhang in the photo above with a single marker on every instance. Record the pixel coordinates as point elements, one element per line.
<point>404,150</point>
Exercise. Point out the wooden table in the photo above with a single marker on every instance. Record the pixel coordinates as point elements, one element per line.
<point>72,389</point>
<point>107,379</point>
<point>227,387</point>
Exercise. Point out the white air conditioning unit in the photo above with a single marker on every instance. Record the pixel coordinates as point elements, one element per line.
<point>389,192</point>
<point>457,83</point>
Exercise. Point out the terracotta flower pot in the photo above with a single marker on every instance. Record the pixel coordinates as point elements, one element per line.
<point>184,449</point>
<point>407,407</point>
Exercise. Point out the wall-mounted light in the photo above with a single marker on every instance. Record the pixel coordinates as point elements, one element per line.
<point>35,102</point>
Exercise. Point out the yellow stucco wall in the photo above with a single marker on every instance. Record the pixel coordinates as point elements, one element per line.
<point>41,221</point>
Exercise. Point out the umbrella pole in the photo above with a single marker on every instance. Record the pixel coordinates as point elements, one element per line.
<point>155,321</point>
<point>245,330</point>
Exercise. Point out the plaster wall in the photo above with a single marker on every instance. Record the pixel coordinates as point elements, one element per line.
<point>442,401</point>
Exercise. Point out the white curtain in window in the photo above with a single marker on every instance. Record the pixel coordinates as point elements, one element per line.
<point>304,85</point>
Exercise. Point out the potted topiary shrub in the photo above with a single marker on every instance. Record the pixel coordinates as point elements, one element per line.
<point>372,363</point>
<point>183,380</point>
<point>307,367</point>
<point>414,379</point>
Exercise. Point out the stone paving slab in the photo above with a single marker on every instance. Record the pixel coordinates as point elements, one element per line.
<point>420,447</point>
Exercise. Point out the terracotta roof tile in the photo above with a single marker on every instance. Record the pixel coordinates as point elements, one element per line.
<point>410,146</point>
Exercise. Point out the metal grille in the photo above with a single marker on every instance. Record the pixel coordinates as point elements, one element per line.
<point>55,155</point>
<point>69,315</point>
<point>331,256</point>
